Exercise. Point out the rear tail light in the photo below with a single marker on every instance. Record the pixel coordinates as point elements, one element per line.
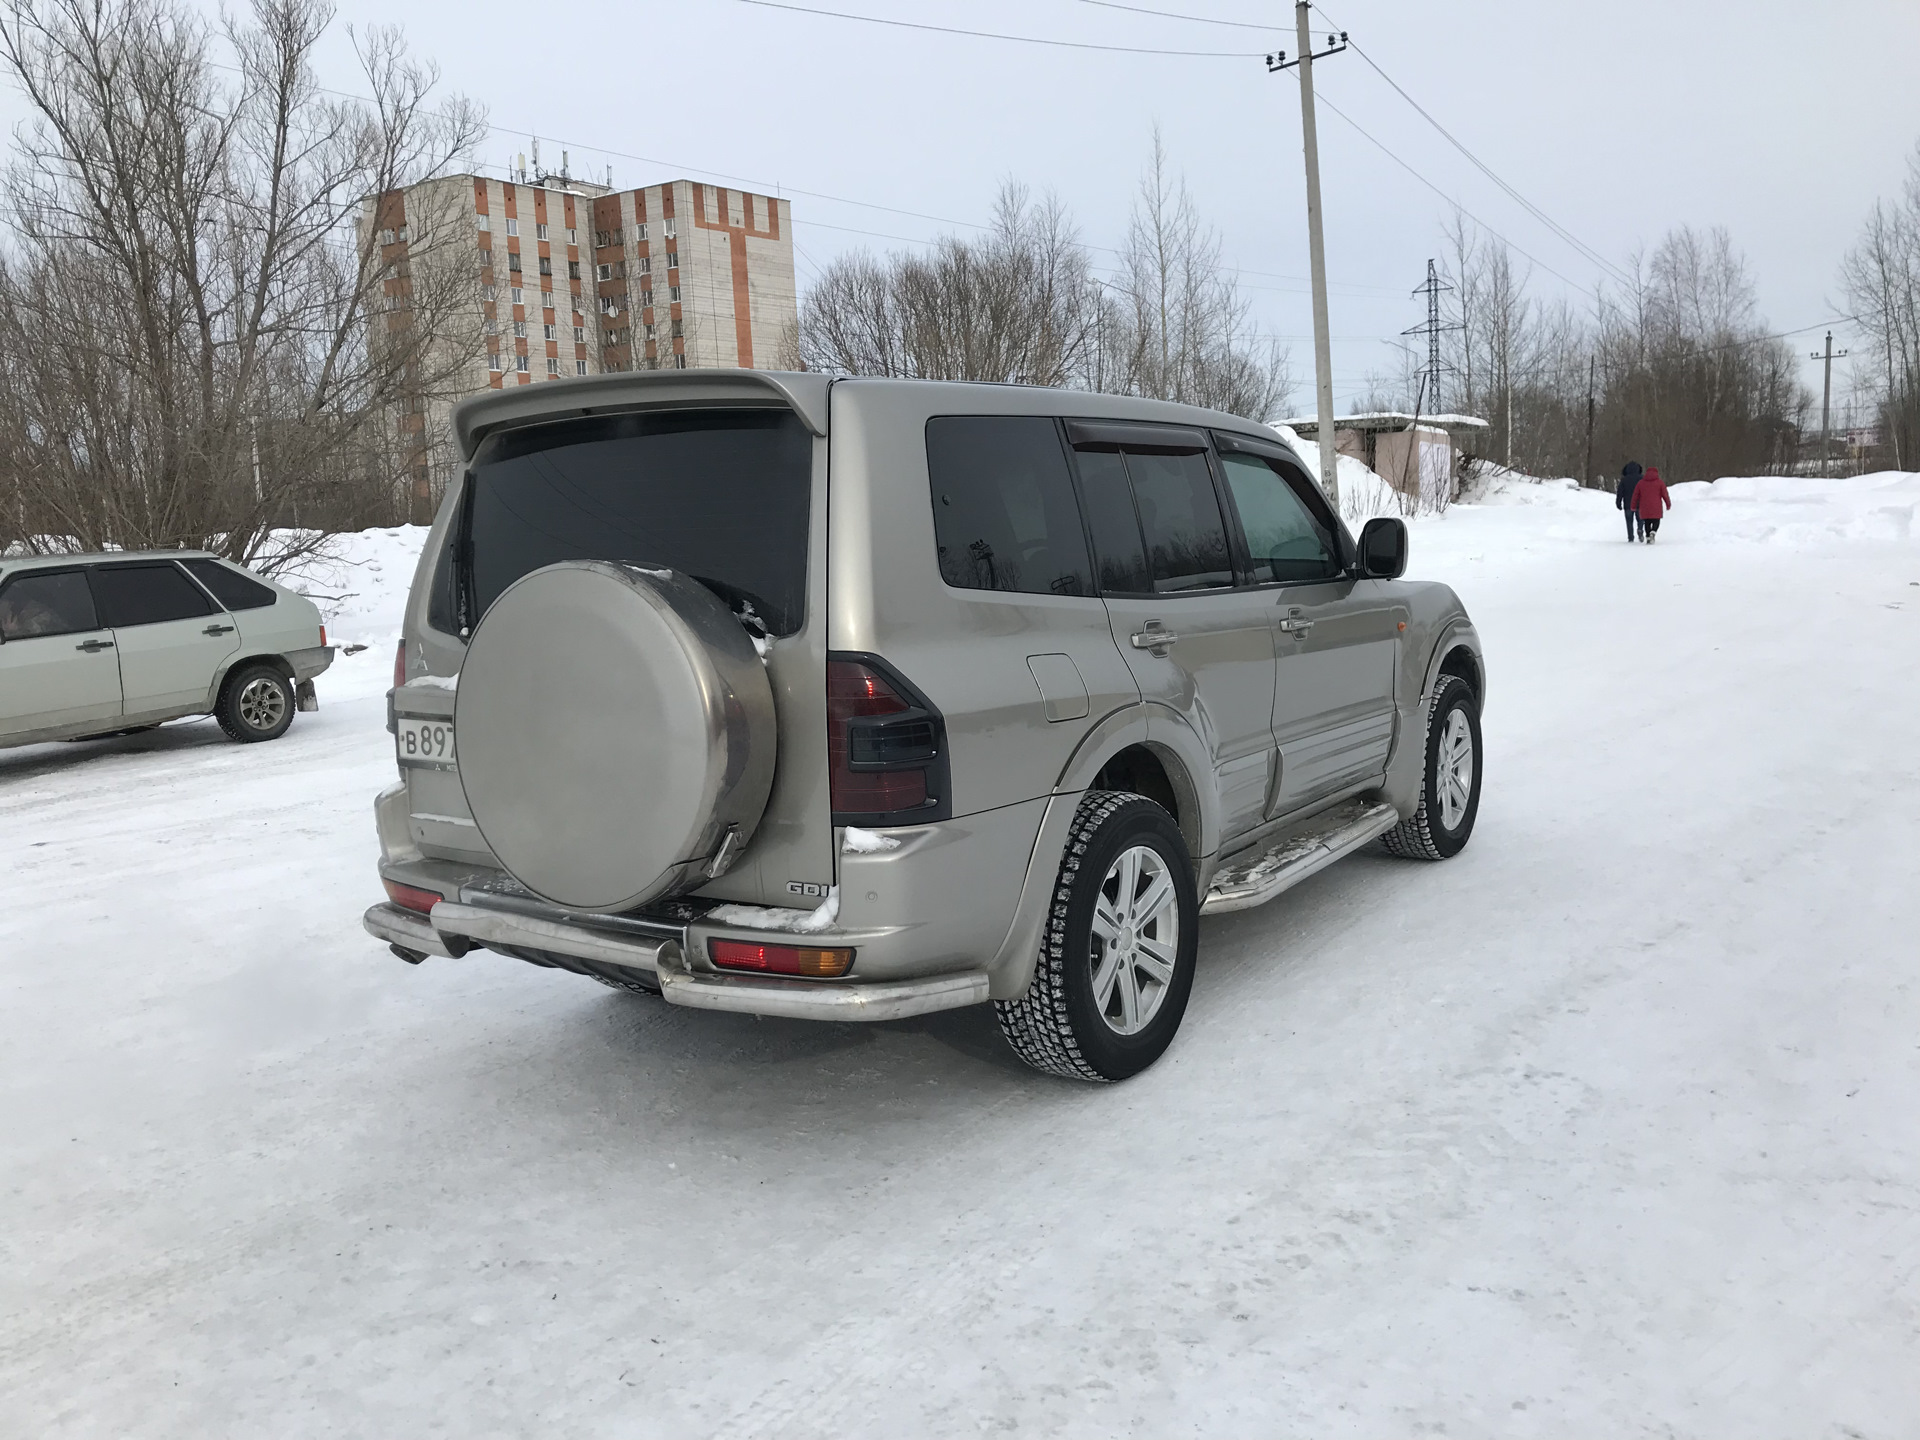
<point>408,898</point>
<point>399,664</point>
<point>885,746</point>
<point>779,959</point>
<point>323,637</point>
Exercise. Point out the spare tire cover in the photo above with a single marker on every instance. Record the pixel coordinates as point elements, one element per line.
<point>611,725</point>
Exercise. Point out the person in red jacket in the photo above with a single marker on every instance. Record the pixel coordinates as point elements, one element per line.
<point>1650,501</point>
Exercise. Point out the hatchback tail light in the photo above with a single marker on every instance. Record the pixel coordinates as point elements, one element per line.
<point>399,664</point>
<point>323,637</point>
<point>886,746</point>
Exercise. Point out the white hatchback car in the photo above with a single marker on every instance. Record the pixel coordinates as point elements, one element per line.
<point>99,644</point>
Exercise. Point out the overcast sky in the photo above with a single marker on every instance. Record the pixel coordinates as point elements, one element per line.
<point>1780,121</point>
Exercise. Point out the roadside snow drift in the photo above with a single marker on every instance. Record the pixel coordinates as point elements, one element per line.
<point>1605,1128</point>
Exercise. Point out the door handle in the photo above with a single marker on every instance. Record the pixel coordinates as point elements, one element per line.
<point>93,646</point>
<point>1296,624</point>
<point>1154,638</point>
<point>218,630</point>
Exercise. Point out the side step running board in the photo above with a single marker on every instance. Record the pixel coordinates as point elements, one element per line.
<point>1255,877</point>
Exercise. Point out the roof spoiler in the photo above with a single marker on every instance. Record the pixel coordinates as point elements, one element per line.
<point>803,393</point>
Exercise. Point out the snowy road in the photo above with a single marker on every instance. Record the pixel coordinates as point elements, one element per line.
<point>1608,1127</point>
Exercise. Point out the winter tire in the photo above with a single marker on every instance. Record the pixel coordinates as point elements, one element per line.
<point>1450,790</point>
<point>256,703</point>
<point>1117,958</point>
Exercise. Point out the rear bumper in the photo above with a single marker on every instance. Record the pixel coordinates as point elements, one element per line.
<point>455,928</point>
<point>311,662</point>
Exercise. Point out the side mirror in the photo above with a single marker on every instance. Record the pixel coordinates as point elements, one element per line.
<point>1383,549</point>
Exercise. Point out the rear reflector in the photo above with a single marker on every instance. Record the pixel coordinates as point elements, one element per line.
<point>778,959</point>
<point>399,664</point>
<point>408,898</point>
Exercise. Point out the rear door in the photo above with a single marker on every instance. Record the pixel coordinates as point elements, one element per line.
<point>170,635</point>
<point>1193,641</point>
<point>57,665</point>
<point>1337,637</point>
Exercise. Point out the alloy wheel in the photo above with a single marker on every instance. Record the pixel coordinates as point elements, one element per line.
<point>262,703</point>
<point>1136,939</point>
<point>1454,776</point>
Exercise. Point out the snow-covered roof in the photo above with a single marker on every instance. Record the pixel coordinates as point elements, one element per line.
<point>1388,420</point>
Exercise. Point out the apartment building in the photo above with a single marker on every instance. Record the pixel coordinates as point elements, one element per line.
<point>546,276</point>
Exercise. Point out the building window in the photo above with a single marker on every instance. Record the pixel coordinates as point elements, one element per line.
<point>386,237</point>
<point>579,334</point>
<point>646,264</point>
<point>669,229</point>
<point>491,328</point>
<point>679,362</point>
<point>519,329</point>
<point>489,292</point>
<point>540,231</point>
<point>513,226</point>
<point>517,292</point>
<point>573,236</point>
<point>546,299</point>
<point>579,367</point>
<point>673,259</point>
<point>513,263</point>
<point>480,219</point>
<point>520,363</point>
<point>552,333</point>
<point>652,331</point>
<point>646,297</point>
<point>673,294</point>
<point>573,269</point>
<point>553,366</point>
<point>546,266</point>
<point>493,361</point>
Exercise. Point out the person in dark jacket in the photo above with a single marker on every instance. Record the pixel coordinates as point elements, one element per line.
<point>1651,501</point>
<point>1623,497</point>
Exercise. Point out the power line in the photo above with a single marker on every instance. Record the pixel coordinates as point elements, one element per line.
<point>1015,39</point>
<point>1585,250</point>
<point>1196,19</point>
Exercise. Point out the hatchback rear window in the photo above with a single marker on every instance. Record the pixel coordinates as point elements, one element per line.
<point>230,587</point>
<point>722,496</point>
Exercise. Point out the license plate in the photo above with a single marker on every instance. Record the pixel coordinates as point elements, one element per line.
<point>424,742</point>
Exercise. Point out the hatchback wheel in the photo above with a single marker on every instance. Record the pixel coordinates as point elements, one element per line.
<point>1116,963</point>
<point>255,704</point>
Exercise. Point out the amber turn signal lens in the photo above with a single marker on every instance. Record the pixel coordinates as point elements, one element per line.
<point>408,898</point>
<point>780,959</point>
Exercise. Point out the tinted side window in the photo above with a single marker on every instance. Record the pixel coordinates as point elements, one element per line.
<point>131,595</point>
<point>1180,517</point>
<point>230,587</point>
<point>35,605</point>
<point>1285,540</point>
<point>1114,523</point>
<point>1004,514</point>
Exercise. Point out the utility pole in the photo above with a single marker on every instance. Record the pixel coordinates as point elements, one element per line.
<point>1316,247</point>
<point>1433,288</point>
<point>1586,475</point>
<point>1826,398</point>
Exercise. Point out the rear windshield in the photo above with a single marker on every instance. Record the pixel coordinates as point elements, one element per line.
<point>720,495</point>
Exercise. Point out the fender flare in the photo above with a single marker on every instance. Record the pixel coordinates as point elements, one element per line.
<point>1458,634</point>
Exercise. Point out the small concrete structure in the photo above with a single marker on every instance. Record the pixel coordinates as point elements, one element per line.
<point>1423,462</point>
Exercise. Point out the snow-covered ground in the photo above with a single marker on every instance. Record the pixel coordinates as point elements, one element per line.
<point>1605,1128</point>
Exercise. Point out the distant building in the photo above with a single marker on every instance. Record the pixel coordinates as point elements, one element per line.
<point>1401,448</point>
<point>571,278</point>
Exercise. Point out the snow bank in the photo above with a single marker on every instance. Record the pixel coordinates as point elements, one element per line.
<point>361,588</point>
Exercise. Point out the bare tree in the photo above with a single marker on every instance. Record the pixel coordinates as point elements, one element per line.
<point>1016,304</point>
<point>1881,277</point>
<point>1184,329</point>
<point>199,334</point>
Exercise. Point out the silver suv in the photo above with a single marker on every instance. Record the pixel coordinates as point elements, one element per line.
<point>100,644</point>
<point>859,699</point>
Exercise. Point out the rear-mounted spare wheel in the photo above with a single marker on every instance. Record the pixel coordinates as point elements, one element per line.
<point>614,732</point>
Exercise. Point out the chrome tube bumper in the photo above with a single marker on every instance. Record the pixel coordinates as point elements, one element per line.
<point>454,928</point>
